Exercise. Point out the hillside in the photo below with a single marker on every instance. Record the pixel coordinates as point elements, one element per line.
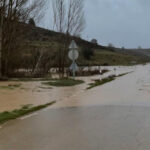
<point>39,38</point>
<point>144,52</point>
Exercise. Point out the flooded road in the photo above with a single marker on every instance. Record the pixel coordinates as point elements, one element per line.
<point>32,93</point>
<point>36,93</point>
<point>114,116</point>
<point>131,89</point>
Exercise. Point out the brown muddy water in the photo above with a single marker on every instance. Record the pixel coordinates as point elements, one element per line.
<point>132,89</point>
<point>36,93</point>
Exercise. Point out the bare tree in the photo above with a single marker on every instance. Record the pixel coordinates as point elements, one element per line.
<point>110,45</point>
<point>1,25</point>
<point>94,41</point>
<point>123,48</point>
<point>68,19</point>
<point>68,16</point>
<point>31,22</point>
<point>13,13</point>
<point>59,15</point>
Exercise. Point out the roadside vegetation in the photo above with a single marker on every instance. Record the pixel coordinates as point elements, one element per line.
<point>101,82</point>
<point>105,80</point>
<point>10,86</point>
<point>63,82</point>
<point>25,110</point>
<point>89,72</point>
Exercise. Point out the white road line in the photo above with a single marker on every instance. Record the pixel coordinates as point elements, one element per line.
<point>28,116</point>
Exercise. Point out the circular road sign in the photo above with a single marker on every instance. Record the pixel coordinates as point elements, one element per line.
<point>73,54</point>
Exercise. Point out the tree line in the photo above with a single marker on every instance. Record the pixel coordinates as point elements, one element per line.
<point>68,18</point>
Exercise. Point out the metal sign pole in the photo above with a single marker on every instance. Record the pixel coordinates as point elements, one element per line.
<point>73,64</point>
<point>73,54</point>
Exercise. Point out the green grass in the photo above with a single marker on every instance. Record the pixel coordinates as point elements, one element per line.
<point>27,109</point>
<point>105,80</point>
<point>10,86</point>
<point>102,57</point>
<point>64,82</point>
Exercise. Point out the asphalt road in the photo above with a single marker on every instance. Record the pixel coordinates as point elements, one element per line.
<point>99,126</point>
<point>82,128</point>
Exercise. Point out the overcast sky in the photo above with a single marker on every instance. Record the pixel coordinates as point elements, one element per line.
<point>121,22</point>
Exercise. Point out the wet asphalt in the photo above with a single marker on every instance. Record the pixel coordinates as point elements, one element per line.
<point>82,128</point>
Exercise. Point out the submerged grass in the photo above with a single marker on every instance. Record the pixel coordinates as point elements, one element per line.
<point>64,82</point>
<point>101,82</point>
<point>105,80</point>
<point>10,86</point>
<point>45,87</point>
<point>123,74</point>
<point>27,109</point>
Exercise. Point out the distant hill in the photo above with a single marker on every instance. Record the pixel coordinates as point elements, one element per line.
<point>36,37</point>
<point>145,52</point>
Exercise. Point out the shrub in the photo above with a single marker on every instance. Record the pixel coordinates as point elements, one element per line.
<point>88,53</point>
<point>32,22</point>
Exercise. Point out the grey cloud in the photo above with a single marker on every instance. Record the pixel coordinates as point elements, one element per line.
<point>121,22</point>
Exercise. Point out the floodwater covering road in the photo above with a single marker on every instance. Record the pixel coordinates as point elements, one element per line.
<point>36,93</point>
<point>132,89</point>
<point>114,116</point>
<point>33,92</point>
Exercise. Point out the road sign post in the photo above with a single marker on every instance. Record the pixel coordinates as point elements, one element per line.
<point>73,55</point>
